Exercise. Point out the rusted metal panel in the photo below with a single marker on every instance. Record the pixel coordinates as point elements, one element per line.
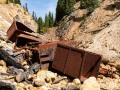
<point>16,29</point>
<point>91,63</point>
<point>60,58</point>
<point>76,63</point>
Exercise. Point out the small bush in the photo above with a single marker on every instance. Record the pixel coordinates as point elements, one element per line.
<point>91,5</point>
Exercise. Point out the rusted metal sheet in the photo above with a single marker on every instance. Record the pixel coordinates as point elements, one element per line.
<point>76,63</point>
<point>91,63</point>
<point>16,29</point>
<point>24,39</point>
<point>60,58</point>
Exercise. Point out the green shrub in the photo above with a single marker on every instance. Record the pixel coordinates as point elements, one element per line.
<point>91,5</point>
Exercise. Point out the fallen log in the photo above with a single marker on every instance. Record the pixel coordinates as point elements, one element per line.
<point>9,59</point>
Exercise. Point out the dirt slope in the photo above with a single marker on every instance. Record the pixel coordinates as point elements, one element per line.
<point>11,12</point>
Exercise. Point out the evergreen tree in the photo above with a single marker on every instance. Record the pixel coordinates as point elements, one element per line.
<point>46,21</point>
<point>17,2</point>
<point>51,21</point>
<point>33,15</point>
<point>52,18</point>
<point>40,24</point>
<point>35,18</point>
<point>64,7</point>
<point>26,7</point>
<point>69,6</point>
<point>59,10</point>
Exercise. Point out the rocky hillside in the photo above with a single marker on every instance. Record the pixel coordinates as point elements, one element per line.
<point>98,32</point>
<point>11,12</point>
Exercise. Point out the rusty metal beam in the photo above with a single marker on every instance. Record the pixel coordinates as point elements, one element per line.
<point>24,39</point>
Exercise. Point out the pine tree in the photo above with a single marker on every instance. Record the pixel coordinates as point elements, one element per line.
<point>35,18</point>
<point>69,6</point>
<point>59,10</point>
<point>17,2</point>
<point>52,18</point>
<point>46,21</point>
<point>51,21</point>
<point>64,7</point>
<point>26,7</point>
<point>40,24</point>
<point>33,15</point>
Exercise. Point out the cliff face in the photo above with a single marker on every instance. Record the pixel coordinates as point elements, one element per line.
<point>99,32</point>
<point>11,12</point>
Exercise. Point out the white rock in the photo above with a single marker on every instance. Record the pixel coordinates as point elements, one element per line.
<point>2,63</point>
<point>91,84</point>
<point>43,88</point>
<point>76,81</point>
<point>51,74</point>
<point>46,74</point>
<point>41,74</point>
<point>21,85</point>
<point>3,69</point>
<point>39,82</point>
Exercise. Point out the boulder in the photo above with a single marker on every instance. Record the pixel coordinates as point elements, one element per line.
<point>90,84</point>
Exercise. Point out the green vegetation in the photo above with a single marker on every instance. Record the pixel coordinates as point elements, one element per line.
<point>43,26</point>
<point>51,19</point>
<point>34,16</point>
<point>91,5</point>
<point>73,37</point>
<point>84,19</point>
<point>64,7</point>
<point>26,7</point>
<point>40,25</point>
<point>17,2</point>
<point>13,1</point>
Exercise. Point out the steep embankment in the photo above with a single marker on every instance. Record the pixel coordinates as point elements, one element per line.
<point>11,12</point>
<point>98,32</point>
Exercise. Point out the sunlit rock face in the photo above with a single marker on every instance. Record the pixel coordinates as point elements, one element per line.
<point>14,12</point>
